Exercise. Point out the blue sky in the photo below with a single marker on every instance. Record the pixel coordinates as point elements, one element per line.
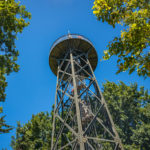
<point>32,89</point>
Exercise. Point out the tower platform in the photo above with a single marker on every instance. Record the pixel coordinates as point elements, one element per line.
<point>71,41</point>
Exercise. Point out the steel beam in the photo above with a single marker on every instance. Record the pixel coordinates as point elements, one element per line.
<point>80,132</point>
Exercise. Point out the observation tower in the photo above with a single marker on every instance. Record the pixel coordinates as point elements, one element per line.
<point>81,119</point>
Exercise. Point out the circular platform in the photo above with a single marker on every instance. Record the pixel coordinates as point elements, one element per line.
<point>75,41</point>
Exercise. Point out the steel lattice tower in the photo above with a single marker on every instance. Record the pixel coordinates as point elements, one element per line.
<point>81,119</point>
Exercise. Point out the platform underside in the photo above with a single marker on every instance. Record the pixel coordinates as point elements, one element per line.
<point>73,43</point>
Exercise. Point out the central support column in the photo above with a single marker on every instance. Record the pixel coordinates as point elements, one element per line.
<point>76,100</point>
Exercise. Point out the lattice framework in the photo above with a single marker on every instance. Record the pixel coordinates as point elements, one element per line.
<point>82,115</point>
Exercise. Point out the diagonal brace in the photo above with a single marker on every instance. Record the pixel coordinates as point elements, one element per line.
<point>93,119</point>
<point>62,97</point>
<point>62,127</point>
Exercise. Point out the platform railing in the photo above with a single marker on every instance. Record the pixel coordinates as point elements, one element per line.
<point>69,36</point>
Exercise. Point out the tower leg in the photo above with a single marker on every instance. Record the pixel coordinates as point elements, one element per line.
<point>80,132</point>
<point>116,133</point>
<point>53,130</point>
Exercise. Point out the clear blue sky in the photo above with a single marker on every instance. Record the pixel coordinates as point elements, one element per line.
<point>32,89</point>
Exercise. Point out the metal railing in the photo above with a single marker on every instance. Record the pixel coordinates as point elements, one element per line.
<point>69,36</point>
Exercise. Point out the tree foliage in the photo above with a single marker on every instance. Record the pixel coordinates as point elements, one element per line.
<point>130,110</point>
<point>6,128</point>
<point>12,21</point>
<point>131,47</point>
<point>36,134</point>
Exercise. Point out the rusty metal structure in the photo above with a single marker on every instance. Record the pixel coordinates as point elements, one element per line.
<point>81,119</point>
